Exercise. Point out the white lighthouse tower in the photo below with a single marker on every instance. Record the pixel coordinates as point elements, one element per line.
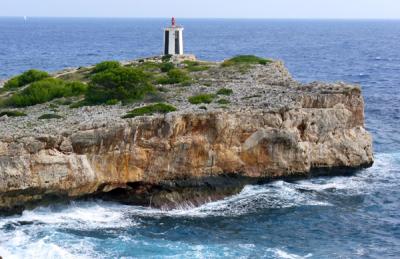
<point>173,39</point>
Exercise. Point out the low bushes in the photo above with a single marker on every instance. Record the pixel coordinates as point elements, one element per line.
<point>201,98</point>
<point>150,109</point>
<point>225,91</point>
<point>175,76</point>
<point>74,89</point>
<point>12,114</point>
<point>150,66</point>
<point>123,83</point>
<point>25,78</point>
<point>194,66</point>
<point>112,102</point>
<point>46,90</point>
<point>166,67</point>
<point>105,65</point>
<point>50,116</point>
<point>166,58</point>
<point>223,101</point>
<point>245,60</point>
<point>154,67</point>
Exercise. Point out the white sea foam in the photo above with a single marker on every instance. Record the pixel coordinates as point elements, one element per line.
<point>281,194</point>
<point>25,244</point>
<point>35,234</point>
<point>281,254</point>
<point>83,215</point>
<point>275,195</point>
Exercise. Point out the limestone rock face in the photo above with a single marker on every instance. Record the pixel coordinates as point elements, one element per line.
<point>318,130</point>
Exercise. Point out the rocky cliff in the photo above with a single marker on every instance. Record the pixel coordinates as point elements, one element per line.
<point>273,127</point>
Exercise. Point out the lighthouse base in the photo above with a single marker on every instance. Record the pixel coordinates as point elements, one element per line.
<point>181,58</point>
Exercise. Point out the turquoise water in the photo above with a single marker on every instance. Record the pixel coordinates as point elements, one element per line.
<point>357,216</point>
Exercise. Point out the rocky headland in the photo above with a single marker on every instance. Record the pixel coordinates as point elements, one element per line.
<point>232,124</point>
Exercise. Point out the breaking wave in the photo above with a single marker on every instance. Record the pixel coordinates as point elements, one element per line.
<point>73,230</point>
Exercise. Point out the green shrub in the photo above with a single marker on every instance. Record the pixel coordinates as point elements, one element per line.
<point>12,83</point>
<point>105,65</point>
<point>225,91</point>
<point>25,78</point>
<point>150,66</point>
<point>194,66</point>
<point>178,76</point>
<point>201,98</point>
<point>150,109</point>
<point>246,60</point>
<point>50,116</point>
<point>166,67</point>
<point>45,90</point>
<point>122,83</point>
<point>198,68</point>
<point>166,58</point>
<point>223,101</point>
<point>112,102</point>
<point>12,114</point>
<point>191,63</point>
<point>74,88</point>
<point>175,76</point>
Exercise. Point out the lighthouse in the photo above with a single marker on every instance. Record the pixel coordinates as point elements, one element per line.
<point>173,39</point>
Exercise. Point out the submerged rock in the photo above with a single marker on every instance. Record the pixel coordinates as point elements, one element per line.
<point>273,127</point>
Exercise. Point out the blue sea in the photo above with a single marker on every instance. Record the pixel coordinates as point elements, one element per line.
<point>356,216</point>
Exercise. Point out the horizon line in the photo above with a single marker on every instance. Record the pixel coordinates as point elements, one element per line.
<point>206,18</point>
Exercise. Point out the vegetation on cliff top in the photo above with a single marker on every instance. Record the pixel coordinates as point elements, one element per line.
<point>25,78</point>
<point>166,67</point>
<point>223,101</point>
<point>12,114</point>
<point>225,91</point>
<point>111,82</point>
<point>195,66</point>
<point>49,116</point>
<point>245,60</point>
<point>201,98</point>
<point>175,76</point>
<point>45,90</point>
<point>105,65</point>
<point>125,84</point>
<point>150,109</point>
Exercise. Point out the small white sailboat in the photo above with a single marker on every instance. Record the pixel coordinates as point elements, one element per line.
<point>25,18</point>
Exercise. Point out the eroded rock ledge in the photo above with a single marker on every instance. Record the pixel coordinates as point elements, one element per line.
<point>275,127</point>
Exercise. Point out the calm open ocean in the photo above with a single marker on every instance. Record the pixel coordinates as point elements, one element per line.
<point>327,217</point>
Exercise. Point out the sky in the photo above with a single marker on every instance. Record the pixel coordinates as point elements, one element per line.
<point>297,9</point>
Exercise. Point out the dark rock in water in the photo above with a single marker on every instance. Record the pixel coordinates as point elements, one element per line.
<point>173,194</point>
